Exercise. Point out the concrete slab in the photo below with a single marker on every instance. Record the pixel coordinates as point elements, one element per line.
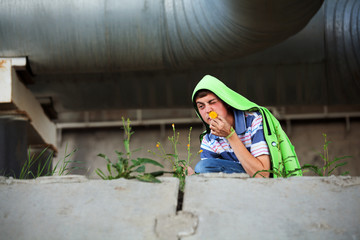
<point>216,206</point>
<point>294,208</point>
<point>74,207</point>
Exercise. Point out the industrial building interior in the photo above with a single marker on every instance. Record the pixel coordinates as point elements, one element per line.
<point>90,63</point>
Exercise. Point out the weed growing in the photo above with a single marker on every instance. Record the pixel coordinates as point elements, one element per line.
<point>180,166</point>
<point>64,165</point>
<point>281,171</point>
<point>328,165</point>
<point>326,170</point>
<point>126,167</point>
<point>34,166</point>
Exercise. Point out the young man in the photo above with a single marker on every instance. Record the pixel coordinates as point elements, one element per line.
<point>235,141</point>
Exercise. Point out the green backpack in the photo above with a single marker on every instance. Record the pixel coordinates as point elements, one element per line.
<point>284,161</point>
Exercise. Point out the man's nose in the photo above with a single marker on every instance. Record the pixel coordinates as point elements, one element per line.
<point>208,108</point>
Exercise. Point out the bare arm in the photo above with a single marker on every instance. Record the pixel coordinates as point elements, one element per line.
<point>251,164</point>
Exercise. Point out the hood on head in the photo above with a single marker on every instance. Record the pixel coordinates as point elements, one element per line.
<point>223,92</point>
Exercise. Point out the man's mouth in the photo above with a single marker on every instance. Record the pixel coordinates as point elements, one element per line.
<point>213,115</point>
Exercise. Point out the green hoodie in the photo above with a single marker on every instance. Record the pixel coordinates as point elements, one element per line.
<point>282,152</point>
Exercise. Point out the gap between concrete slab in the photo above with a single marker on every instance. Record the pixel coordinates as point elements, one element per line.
<point>180,201</point>
<point>174,227</point>
<point>184,223</point>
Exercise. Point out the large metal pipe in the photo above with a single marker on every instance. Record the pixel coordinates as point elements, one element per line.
<point>121,35</point>
<point>342,41</point>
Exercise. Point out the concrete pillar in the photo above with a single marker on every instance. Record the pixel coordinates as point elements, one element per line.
<point>23,122</point>
<point>13,145</point>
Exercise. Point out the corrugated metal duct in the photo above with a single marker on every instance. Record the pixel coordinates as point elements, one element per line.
<point>120,35</point>
<point>343,50</point>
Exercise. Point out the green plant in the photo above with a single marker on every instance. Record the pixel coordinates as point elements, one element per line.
<point>64,168</point>
<point>281,171</point>
<point>126,167</point>
<point>180,166</point>
<point>328,166</point>
<point>34,167</point>
<point>26,170</point>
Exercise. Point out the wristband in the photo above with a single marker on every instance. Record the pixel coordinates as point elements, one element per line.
<point>232,132</point>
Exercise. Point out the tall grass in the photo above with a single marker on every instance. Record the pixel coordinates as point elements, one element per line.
<point>34,166</point>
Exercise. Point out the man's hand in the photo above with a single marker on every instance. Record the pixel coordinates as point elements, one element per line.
<point>220,127</point>
<point>190,171</point>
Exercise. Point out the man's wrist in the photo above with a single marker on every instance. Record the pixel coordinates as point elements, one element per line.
<point>232,131</point>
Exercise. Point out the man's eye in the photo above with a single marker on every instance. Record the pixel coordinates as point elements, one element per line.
<point>201,107</point>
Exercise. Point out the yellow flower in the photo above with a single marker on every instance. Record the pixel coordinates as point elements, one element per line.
<point>213,115</point>
<point>188,145</point>
<point>173,125</point>
<point>2,63</point>
<point>200,151</point>
<point>157,145</point>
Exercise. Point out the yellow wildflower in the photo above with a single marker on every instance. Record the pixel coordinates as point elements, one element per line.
<point>157,145</point>
<point>200,151</point>
<point>213,115</point>
<point>173,125</point>
<point>188,146</point>
<point>2,62</point>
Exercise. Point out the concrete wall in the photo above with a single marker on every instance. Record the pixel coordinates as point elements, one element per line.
<point>307,137</point>
<point>308,141</point>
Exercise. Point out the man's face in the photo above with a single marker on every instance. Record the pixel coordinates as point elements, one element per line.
<point>211,103</point>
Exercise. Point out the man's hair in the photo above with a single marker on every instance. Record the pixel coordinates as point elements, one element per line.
<point>202,93</point>
<point>205,92</point>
